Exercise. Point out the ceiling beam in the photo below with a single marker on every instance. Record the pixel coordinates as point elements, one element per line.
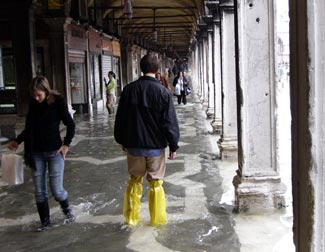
<point>157,23</point>
<point>162,33</point>
<point>157,26</point>
<point>146,7</point>
<point>150,17</point>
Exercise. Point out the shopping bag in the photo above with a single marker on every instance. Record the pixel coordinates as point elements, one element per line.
<point>188,91</point>
<point>12,168</point>
<point>177,89</point>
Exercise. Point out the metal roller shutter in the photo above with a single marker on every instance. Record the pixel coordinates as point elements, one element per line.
<point>106,65</point>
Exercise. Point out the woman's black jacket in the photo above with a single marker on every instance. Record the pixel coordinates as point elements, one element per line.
<point>42,127</point>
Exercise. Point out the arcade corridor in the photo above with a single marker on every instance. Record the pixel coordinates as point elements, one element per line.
<point>237,56</point>
<point>198,191</point>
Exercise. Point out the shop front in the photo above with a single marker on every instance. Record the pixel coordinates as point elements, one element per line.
<point>116,65</point>
<point>77,48</point>
<point>107,57</point>
<point>96,86</point>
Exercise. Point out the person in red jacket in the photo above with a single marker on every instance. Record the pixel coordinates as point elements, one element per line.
<point>145,124</point>
<point>44,148</point>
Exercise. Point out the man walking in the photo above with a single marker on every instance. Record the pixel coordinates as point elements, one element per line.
<point>145,125</point>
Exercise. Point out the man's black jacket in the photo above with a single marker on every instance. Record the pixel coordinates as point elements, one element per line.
<point>146,116</point>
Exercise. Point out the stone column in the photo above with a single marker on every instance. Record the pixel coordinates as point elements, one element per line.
<point>204,70</point>
<point>257,184</point>
<point>200,67</point>
<point>210,108</point>
<point>216,59</point>
<point>24,51</point>
<point>196,67</point>
<point>58,74</point>
<point>307,70</point>
<point>228,141</point>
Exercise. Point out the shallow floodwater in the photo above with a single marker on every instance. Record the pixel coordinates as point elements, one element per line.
<point>95,178</point>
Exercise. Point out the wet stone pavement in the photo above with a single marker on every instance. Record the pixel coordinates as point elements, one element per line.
<point>96,177</point>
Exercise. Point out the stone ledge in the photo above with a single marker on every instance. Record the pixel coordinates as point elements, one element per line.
<point>257,195</point>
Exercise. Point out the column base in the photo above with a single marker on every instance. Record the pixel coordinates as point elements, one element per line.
<point>210,113</point>
<point>257,195</point>
<point>217,126</point>
<point>228,148</point>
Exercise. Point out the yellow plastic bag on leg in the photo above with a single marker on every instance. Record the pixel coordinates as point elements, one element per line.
<point>132,201</point>
<point>157,203</point>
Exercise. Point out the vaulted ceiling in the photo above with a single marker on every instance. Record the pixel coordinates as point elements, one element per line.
<point>174,20</point>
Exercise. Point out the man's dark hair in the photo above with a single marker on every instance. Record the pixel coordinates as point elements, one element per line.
<point>149,63</point>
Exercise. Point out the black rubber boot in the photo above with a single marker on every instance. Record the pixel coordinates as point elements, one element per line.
<point>44,214</point>
<point>69,217</point>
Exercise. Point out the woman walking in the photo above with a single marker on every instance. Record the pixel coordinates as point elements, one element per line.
<point>182,84</point>
<point>44,148</point>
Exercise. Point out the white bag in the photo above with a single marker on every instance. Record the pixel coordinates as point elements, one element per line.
<point>12,169</point>
<point>177,89</point>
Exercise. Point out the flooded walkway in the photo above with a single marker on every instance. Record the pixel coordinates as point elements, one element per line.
<point>199,212</point>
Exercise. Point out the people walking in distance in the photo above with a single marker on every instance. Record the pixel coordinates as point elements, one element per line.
<point>44,149</point>
<point>145,125</point>
<point>180,84</point>
<point>110,92</point>
<point>163,81</point>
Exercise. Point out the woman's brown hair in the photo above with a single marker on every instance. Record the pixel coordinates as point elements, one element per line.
<point>41,83</point>
<point>163,81</point>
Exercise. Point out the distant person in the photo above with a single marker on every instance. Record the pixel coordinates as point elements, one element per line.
<point>145,125</point>
<point>166,73</point>
<point>182,83</point>
<point>110,92</point>
<point>44,149</point>
<point>174,69</point>
<point>163,81</point>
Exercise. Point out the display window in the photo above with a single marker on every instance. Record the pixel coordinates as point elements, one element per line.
<point>8,100</point>
<point>96,92</point>
<point>77,82</point>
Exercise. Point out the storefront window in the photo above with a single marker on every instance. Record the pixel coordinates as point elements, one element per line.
<point>77,83</point>
<point>7,81</point>
<point>96,93</point>
<point>2,83</point>
<point>8,68</point>
<point>39,61</point>
<point>55,4</point>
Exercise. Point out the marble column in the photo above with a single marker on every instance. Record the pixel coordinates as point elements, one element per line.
<point>195,68</point>
<point>258,186</point>
<point>228,141</point>
<point>199,68</point>
<point>307,70</point>
<point>204,99</point>
<point>216,59</point>
<point>23,37</point>
<point>210,108</point>
<point>201,76</point>
<point>58,73</point>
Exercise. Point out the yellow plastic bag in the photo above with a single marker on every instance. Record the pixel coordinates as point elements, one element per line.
<point>12,169</point>
<point>132,201</point>
<point>157,203</point>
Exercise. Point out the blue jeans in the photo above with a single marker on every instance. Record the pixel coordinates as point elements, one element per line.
<point>55,164</point>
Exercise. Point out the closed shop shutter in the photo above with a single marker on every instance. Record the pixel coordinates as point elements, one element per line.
<point>106,65</point>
